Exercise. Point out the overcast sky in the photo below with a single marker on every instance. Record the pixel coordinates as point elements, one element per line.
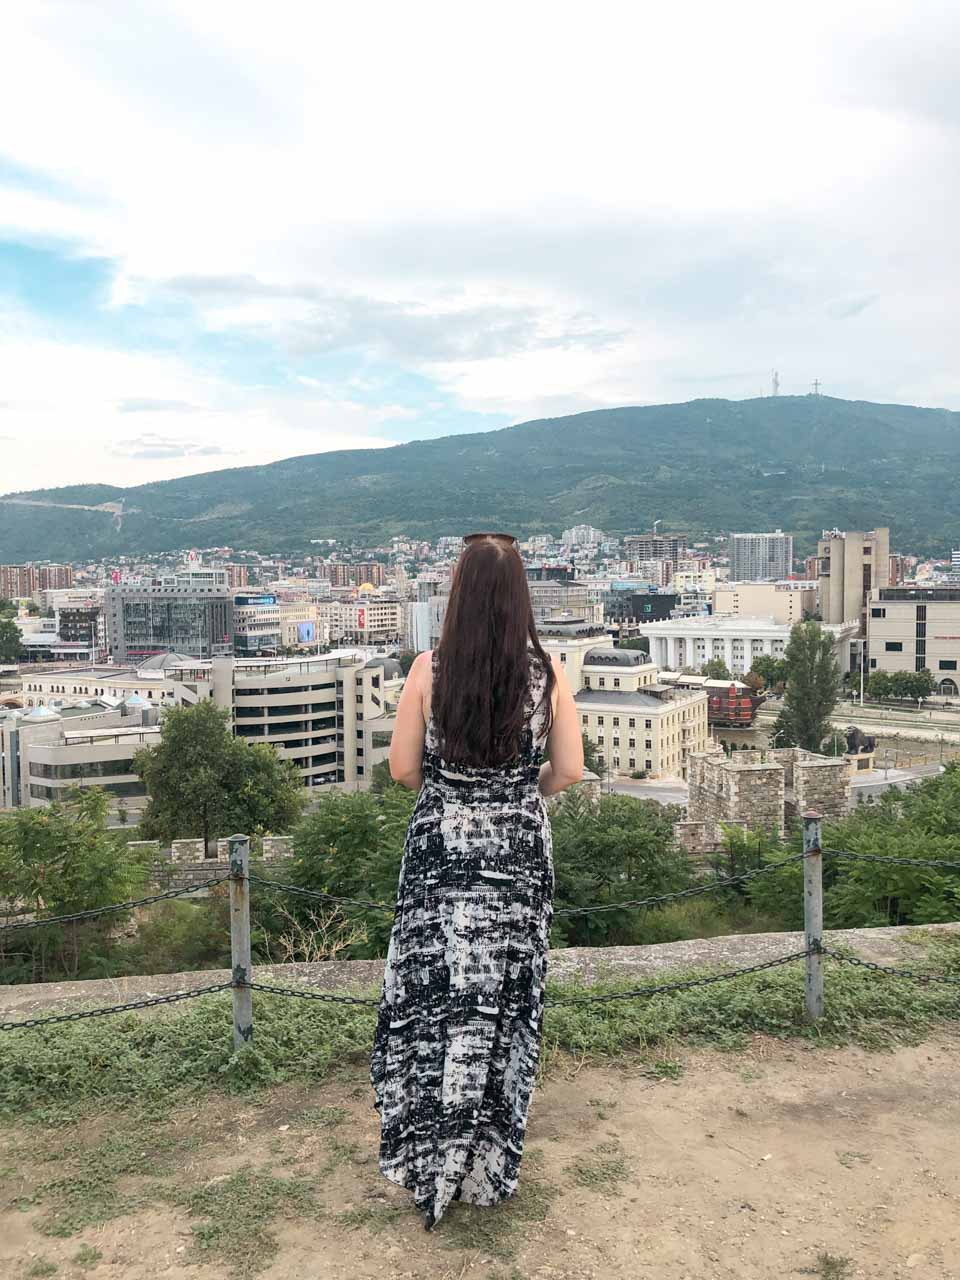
<point>232,232</point>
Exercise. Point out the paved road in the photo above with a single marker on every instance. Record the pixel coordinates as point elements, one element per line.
<point>664,791</point>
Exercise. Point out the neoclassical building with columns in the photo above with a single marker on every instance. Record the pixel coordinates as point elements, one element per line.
<point>737,641</point>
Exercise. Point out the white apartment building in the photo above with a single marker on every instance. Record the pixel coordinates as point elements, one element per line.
<point>582,535</point>
<point>635,722</point>
<point>756,557</point>
<point>782,601</point>
<point>690,642</point>
<point>916,629</point>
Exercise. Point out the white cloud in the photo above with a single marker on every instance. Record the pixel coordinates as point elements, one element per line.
<point>543,210</point>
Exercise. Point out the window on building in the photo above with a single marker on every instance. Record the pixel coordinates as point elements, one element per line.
<point>878,613</point>
<point>632,723</point>
<point>649,744</point>
<point>616,722</point>
<point>602,682</point>
<point>616,740</point>
<point>616,682</point>
<point>631,763</point>
<point>600,721</point>
<point>632,742</point>
<point>894,646</point>
<point>873,663</point>
<point>648,724</point>
<point>563,656</point>
<point>948,664</point>
<point>585,719</point>
<point>600,740</point>
<point>648,764</point>
<point>616,762</point>
<point>586,682</point>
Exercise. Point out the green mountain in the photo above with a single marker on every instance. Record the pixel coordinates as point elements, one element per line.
<point>803,463</point>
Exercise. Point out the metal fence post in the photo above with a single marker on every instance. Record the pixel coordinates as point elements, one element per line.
<point>813,912</point>
<point>240,940</point>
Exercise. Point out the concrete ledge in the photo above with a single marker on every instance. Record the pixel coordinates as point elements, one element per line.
<point>883,945</point>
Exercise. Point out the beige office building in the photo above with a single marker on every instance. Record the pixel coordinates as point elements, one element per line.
<point>331,715</point>
<point>785,602</point>
<point>635,722</point>
<point>916,629</point>
<point>850,566</point>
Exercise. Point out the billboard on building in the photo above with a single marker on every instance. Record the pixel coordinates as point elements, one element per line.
<point>306,633</point>
<point>361,618</point>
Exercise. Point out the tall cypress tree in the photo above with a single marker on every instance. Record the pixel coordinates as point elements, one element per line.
<point>813,681</point>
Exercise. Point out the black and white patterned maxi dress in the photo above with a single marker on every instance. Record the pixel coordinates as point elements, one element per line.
<point>461,1011</point>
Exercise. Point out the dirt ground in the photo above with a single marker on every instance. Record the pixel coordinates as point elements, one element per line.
<point>786,1160</point>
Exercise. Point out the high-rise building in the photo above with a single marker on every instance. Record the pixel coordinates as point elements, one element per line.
<point>582,535</point>
<point>18,581</point>
<point>189,612</point>
<point>368,572</point>
<point>761,557</point>
<point>851,565</point>
<point>238,575</point>
<point>55,577</point>
<point>655,546</point>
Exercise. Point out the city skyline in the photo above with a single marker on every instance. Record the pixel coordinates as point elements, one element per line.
<point>223,243</point>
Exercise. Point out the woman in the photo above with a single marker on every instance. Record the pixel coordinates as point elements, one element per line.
<point>460,1021</point>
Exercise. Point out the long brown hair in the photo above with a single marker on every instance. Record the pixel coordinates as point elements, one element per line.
<point>482,675</point>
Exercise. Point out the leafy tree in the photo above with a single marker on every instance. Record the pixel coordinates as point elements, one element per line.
<point>352,847</point>
<point>879,684</point>
<point>608,851</point>
<point>772,671</point>
<point>813,682</point>
<point>380,778</point>
<point>591,758</point>
<point>716,669</point>
<point>56,861</point>
<point>10,644</point>
<point>754,681</point>
<point>636,642</point>
<point>7,608</point>
<point>406,659</point>
<point>901,684</point>
<point>203,782</point>
<point>834,744</point>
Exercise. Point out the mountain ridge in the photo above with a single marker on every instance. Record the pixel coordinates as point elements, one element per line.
<point>802,463</point>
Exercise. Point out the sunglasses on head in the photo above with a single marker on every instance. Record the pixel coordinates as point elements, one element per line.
<point>507,538</point>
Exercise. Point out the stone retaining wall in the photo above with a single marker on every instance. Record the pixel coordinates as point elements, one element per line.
<point>889,945</point>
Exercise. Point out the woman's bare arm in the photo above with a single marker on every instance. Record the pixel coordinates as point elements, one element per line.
<point>564,742</point>
<point>406,745</point>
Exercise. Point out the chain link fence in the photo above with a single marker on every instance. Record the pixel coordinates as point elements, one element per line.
<point>242,982</point>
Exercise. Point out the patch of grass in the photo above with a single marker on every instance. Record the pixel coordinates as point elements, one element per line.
<point>173,1055</point>
<point>371,1217</point>
<point>496,1232</point>
<point>323,1117</point>
<point>237,1213</point>
<point>830,1267</point>
<point>86,1256</point>
<point>849,1158</point>
<point>602,1169</point>
<point>603,1107</point>
<point>41,1267</point>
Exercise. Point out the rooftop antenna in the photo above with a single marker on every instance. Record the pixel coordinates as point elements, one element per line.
<point>775,383</point>
<point>816,384</point>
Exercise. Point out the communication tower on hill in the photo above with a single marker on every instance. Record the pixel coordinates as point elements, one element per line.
<point>775,383</point>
